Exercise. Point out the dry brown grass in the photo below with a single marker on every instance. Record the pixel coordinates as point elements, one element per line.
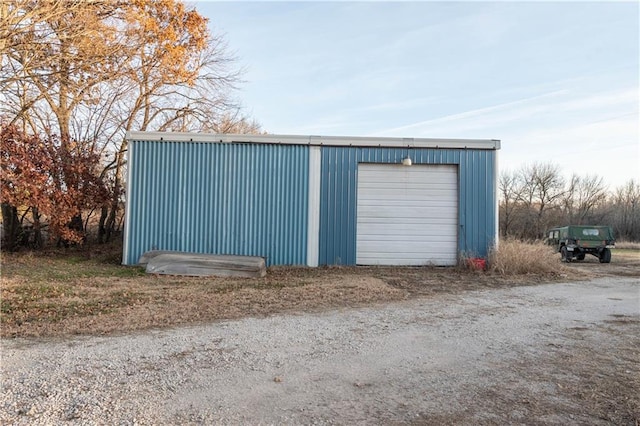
<point>513,257</point>
<point>106,305</point>
<point>627,245</point>
<point>80,292</point>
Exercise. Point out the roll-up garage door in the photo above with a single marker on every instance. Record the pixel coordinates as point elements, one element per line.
<point>407,215</point>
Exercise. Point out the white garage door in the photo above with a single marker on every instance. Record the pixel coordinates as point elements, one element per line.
<point>407,215</point>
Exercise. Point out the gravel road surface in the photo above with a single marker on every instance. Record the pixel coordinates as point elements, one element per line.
<point>517,355</point>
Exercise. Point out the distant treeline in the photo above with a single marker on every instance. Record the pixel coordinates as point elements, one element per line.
<point>537,197</point>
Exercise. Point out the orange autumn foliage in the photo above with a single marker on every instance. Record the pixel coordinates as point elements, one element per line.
<point>172,37</point>
<point>59,179</point>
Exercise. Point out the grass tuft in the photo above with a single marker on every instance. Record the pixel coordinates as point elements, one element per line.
<point>514,257</point>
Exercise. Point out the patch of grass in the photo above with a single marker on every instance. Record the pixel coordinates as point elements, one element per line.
<point>25,302</point>
<point>630,254</point>
<point>514,257</point>
<point>5,307</point>
<point>74,260</point>
<point>42,267</point>
<point>128,272</point>
<point>38,291</point>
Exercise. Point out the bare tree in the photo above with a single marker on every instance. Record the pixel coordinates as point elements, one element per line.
<point>236,123</point>
<point>510,189</point>
<point>534,196</point>
<point>581,198</point>
<point>56,53</point>
<point>527,200</point>
<point>626,211</point>
<point>543,186</point>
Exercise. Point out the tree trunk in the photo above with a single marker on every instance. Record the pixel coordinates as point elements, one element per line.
<point>102,231</point>
<point>37,242</point>
<point>111,221</point>
<point>117,191</point>
<point>11,226</point>
<point>77,224</point>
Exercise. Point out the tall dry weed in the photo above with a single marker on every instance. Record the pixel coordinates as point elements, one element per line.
<point>627,245</point>
<point>514,257</point>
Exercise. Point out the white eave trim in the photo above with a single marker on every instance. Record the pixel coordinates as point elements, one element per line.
<point>361,141</point>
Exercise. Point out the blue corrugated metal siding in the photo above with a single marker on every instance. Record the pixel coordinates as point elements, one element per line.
<point>477,203</point>
<point>478,198</point>
<point>245,199</point>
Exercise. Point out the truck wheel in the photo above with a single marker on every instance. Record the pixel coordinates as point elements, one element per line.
<point>580,256</point>
<point>605,256</point>
<point>565,255</point>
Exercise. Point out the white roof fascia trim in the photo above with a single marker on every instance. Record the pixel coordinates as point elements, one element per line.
<point>363,141</point>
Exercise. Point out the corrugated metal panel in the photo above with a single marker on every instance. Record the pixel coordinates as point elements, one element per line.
<point>477,196</point>
<point>243,199</point>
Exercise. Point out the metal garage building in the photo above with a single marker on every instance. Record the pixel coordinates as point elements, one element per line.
<point>311,200</point>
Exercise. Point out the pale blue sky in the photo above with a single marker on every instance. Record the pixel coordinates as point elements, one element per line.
<point>554,81</point>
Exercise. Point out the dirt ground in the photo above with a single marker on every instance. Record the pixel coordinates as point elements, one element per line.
<point>624,263</point>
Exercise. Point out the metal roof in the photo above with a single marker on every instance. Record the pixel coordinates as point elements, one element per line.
<point>355,141</point>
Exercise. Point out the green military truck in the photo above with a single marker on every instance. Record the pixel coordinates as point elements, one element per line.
<point>576,241</point>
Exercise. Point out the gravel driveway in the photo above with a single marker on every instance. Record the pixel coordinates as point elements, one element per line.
<point>550,354</point>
